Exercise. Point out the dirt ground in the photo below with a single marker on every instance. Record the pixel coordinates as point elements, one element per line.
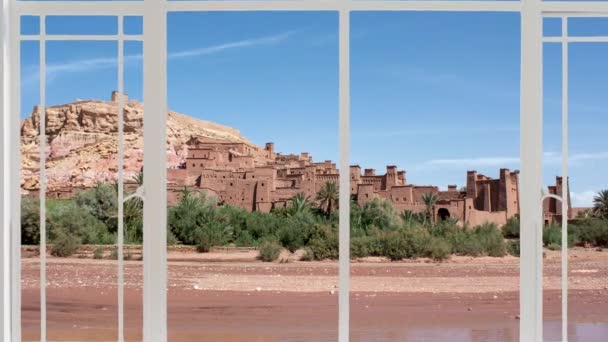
<point>225,296</point>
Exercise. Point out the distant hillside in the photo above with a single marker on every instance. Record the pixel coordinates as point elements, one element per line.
<point>82,142</point>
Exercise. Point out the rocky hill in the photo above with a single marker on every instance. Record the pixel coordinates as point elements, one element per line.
<point>82,142</point>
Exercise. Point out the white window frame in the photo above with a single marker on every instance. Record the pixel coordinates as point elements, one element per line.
<point>154,14</point>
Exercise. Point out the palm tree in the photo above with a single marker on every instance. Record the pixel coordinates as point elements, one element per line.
<point>186,193</point>
<point>410,218</point>
<point>139,178</point>
<point>300,203</point>
<point>430,199</point>
<point>328,197</point>
<point>600,204</point>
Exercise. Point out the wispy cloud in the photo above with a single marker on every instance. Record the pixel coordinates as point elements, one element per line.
<point>549,158</point>
<point>575,159</point>
<point>474,162</point>
<point>53,70</point>
<point>267,40</point>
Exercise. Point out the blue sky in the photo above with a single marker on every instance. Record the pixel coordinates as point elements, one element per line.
<point>435,93</point>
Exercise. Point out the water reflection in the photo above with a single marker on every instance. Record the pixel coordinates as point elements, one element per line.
<point>578,332</point>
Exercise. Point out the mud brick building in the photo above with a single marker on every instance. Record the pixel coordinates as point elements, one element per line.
<point>259,179</point>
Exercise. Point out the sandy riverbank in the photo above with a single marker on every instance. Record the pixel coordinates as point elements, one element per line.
<point>229,297</point>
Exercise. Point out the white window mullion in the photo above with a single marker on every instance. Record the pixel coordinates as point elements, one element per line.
<point>565,182</point>
<point>12,110</point>
<point>4,184</point>
<point>120,161</point>
<point>42,181</point>
<point>155,173</point>
<point>531,151</point>
<point>344,198</point>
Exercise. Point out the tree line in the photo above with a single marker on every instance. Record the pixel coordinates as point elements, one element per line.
<point>307,224</point>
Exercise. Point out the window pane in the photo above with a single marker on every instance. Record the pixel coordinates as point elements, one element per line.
<point>552,27</point>
<point>252,138</point>
<point>587,27</point>
<point>86,25</point>
<point>435,148</point>
<point>30,203</point>
<point>80,192</point>
<point>133,25</point>
<point>133,146</point>
<point>587,156</point>
<point>30,25</point>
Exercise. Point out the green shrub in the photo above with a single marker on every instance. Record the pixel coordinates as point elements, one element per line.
<point>68,218</point>
<point>590,231</point>
<point>102,203</point>
<point>211,234</point>
<point>98,253</point>
<point>461,242</point>
<point>396,247</point>
<point>171,239</point>
<point>261,225</point>
<point>244,239</point>
<point>511,229</point>
<point>482,240</point>
<point>360,246</point>
<point>270,250</point>
<point>491,239</point>
<point>472,246</point>
<point>379,214</point>
<point>554,247</point>
<point>552,235</point>
<point>30,221</point>
<point>64,244</point>
<point>513,247</point>
<point>374,215</point>
<point>190,212</point>
<point>445,229</point>
<point>418,240</point>
<point>324,242</point>
<point>324,249</point>
<point>406,243</point>
<point>438,249</point>
<point>294,232</point>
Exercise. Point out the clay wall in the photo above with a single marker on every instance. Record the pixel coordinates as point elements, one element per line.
<point>455,209</point>
<point>488,194</point>
<point>365,193</point>
<point>402,194</point>
<point>478,217</point>
<point>376,181</point>
<point>416,208</point>
<point>284,194</point>
<point>178,177</point>
<point>449,195</point>
<point>418,191</point>
<point>239,193</point>
<point>513,195</point>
